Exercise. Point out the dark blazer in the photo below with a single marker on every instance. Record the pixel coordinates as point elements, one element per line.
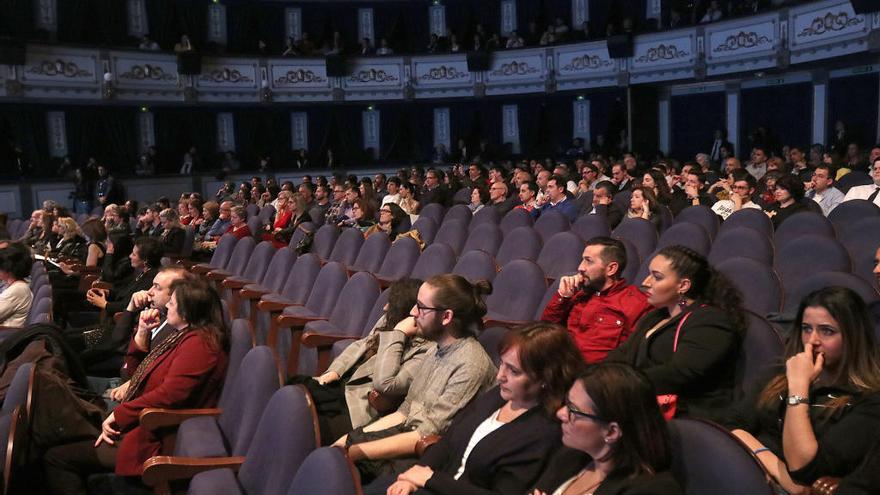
<point>612,213</point>
<point>74,248</point>
<point>566,463</point>
<point>508,460</point>
<point>701,371</point>
<point>437,195</point>
<point>119,298</point>
<point>188,376</point>
<point>116,269</point>
<point>173,239</point>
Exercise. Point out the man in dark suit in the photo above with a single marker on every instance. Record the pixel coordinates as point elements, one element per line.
<point>434,191</point>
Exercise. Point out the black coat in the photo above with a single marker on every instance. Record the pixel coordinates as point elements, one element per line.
<point>702,369</point>
<point>566,463</point>
<point>508,460</point>
<point>173,239</point>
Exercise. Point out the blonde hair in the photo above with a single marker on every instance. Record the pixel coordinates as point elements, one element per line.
<point>69,227</point>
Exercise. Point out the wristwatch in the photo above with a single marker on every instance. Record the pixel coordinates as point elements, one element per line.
<point>794,400</point>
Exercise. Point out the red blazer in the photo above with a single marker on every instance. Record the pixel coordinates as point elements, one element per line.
<point>189,376</point>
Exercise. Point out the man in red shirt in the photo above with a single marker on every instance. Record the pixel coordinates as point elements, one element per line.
<point>596,305</point>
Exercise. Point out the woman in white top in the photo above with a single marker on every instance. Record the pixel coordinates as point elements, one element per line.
<point>16,299</point>
<point>501,441</point>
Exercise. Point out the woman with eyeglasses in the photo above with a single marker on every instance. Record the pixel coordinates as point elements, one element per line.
<point>819,415</point>
<point>392,221</point>
<point>362,214</point>
<point>617,441</point>
<point>500,442</point>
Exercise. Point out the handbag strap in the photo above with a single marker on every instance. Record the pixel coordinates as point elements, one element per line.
<point>678,328</point>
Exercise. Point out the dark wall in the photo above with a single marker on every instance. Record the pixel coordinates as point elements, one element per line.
<point>786,111</point>
<point>694,119</point>
<point>854,100</point>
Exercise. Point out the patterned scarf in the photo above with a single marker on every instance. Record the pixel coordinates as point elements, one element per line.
<point>140,374</point>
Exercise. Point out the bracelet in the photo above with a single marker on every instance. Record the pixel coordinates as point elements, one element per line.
<point>762,449</point>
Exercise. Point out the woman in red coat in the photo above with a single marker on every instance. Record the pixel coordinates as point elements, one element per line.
<point>184,368</point>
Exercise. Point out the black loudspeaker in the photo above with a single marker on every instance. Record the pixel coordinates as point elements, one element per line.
<point>865,6</point>
<point>620,46</point>
<point>11,52</point>
<point>189,64</point>
<point>645,107</point>
<point>337,66</point>
<point>478,61</point>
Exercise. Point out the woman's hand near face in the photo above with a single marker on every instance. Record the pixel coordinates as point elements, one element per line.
<point>802,369</point>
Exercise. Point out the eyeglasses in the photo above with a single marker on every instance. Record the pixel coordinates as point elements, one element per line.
<point>384,210</point>
<point>423,309</point>
<point>574,411</point>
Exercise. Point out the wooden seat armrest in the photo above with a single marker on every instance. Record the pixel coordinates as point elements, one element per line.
<point>153,418</point>
<point>201,268</point>
<point>246,293</point>
<point>825,485</point>
<point>235,284</point>
<point>312,339</point>
<point>274,306</point>
<point>218,275</point>
<point>285,321</point>
<point>102,285</point>
<point>425,442</point>
<point>503,323</point>
<point>164,468</point>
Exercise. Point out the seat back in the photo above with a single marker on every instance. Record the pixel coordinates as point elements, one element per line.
<point>324,240</point>
<point>241,340</point>
<point>640,232</point>
<point>279,268</point>
<point>690,235</point>
<point>706,458</point>
<point>327,471</point>
<point>301,278</point>
<point>517,291</point>
<point>188,241</point>
<point>700,215</point>
<point>742,241</point>
<point>287,433</point>
<point>801,224</point>
<point>251,391</point>
<point>551,223</point>
<point>762,349</point>
<point>427,228</point>
<point>400,260</point>
<point>852,179</point>
<point>266,213</point>
<point>476,265</point>
<point>376,312</point>
<point>433,211</point>
<point>240,255</point>
<point>485,237</point>
<point>326,289</point>
<point>514,219</point>
<point>757,282</point>
<point>347,246</point>
<point>589,226</point>
<point>484,216</point>
<point>258,262</point>
<point>20,389</point>
<point>223,252</point>
<point>519,243</point>
<point>453,234</point>
<point>372,253</point>
<point>752,218</point>
<point>491,338</point>
<point>561,255</point>
<point>795,294</point>
<point>436,259</point>
<point>852,211</point>
<point>354,303</point>
<point>861,240</point>
<point>299,234</point>
<point>809,254</point>
<point>255,225</point>
<point>458,213</point>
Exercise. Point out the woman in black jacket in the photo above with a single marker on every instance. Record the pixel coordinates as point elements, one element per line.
<point>173,236</point>
<point>501,441</point>
<point>689,345</point>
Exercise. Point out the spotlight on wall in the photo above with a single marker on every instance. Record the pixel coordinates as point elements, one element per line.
<point>371,108</point>
<point>145,109</point>
<point>580,98</point>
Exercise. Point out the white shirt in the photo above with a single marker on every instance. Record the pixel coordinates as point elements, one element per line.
<point>724,208</point>
<point>486,427</point>
<point>15,303</point>
<point>391,198</point>
<point>863,192</point>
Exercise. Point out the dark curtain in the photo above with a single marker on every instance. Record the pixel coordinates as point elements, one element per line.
<point>607,115</point>
<point>853,100</point>
<point>17,20</point>
<point>177,129</point>
<point>107,134</point>
<point>786,112</point>
<point>249,23</point>
<point>545,125</point>
<point>603,12</point>
<point>407,132</point>
<point>260,133</point>
<point>95,22</point>
<point>338,128</point>
<point>694,120</point>
<point>404,25</point>
<point>169,19</point>
<point>24,128</point>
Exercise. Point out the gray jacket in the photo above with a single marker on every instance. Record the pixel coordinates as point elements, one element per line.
<point>390,371</point>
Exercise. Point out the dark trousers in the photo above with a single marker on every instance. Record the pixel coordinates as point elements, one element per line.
<point>68,466</point>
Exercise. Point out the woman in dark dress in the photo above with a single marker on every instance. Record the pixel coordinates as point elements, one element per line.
<point>819,414</point>
<point>789,195</point>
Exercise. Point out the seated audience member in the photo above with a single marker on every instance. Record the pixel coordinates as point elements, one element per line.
<point>643,204</point>
<point>71,244</point>
<point>767,189</point>
<point>392,186</point>
<point>151,222</point>
<point>408,201</point>
<point>528,193</point>
<point>789,194</point>
<point>434,191</point>
<point>221,225</point>
<point>822,189</point>
<point>113,219</point>
<point>385,361</point>
<point>500,443</point>
<point>694,189</point>
<point>448,312</point>
<point>195,214</point>
<point>16,299</point>
<point>599,308</point>
<point>498,197</point>
<point>819,415</point>
<point>617,441</point>
<point>558,200</point>
<point>183,367</point>
<point>391,221</point>
<point>742,187</point>
<point>210,214</point>
<point>656,182</point>
<point>173,236</point>
<point>688,345</point>
<point>291,213</point>
<point>34,230</point>
<point>145,259</point>
<point>871,192</point>
<point>479,199</point>
<point>116,266</point>
<point>603,204</point>
<point>362,215</point>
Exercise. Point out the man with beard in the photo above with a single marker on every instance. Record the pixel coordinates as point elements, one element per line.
<point>596,305</point>
<point>448,312</point>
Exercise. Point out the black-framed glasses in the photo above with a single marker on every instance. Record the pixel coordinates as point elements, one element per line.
<point>574,411</point>
<point>423,309</point>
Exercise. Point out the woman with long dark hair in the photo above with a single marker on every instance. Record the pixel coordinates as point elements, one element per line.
<point>819,414</point>
<point>617,441</point>
<point>184,368</point>
<point>688,345</point>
